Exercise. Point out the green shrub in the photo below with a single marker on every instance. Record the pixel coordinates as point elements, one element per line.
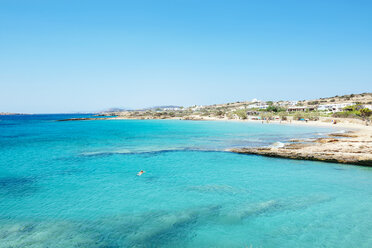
<point>275,109</point>
<point>362,113</point>
<point>299,115</point>
<point>220,113</point>
<point>283,116</point>
<point>365,112</point>
<point>313,103</point>
<point>241,113</point>
<point>354,107</point>
<point>312,116</point>
<point>267,115</point>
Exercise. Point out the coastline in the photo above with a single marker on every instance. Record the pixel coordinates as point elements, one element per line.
<point>354,146</point>
<point>344,123</point>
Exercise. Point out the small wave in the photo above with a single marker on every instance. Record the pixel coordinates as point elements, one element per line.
<point>333,132</point>
<point>278,145</point>
<point>341,131</point>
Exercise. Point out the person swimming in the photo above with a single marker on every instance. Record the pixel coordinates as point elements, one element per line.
<point>140,173</point>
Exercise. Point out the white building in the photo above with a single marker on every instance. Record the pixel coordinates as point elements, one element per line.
<point>172,109</point>
<point>333,107</point>
<point>368,106</point>
<point>259,105</point>
<point>288,103</point>
<point>196,107</point>
<point>300,108</point>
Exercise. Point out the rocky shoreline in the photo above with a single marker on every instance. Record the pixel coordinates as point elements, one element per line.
<point>349,148</point>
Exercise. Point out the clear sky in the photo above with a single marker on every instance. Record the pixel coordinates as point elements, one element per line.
<point>68,56</point>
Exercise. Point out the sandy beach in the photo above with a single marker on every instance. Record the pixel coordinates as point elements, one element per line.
<point>342,123</point>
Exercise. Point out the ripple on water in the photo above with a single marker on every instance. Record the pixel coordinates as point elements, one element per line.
<point>215,188</point>
<point>17,186</point>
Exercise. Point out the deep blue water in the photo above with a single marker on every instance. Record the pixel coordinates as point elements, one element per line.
<point>74,184</point>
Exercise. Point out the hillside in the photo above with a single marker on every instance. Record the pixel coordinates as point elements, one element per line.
<point>264,110</point>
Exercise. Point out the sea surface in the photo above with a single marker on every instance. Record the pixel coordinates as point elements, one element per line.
<point>74,184</point>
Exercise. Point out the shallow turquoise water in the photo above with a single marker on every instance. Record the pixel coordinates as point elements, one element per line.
<point>74,184</point>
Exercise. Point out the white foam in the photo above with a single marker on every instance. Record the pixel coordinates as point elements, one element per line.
<point>278,145</point>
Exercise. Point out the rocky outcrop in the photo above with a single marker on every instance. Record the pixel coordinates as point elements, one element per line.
<point>355,148</point>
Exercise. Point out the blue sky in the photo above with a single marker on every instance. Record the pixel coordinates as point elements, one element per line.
<point>68,56</point>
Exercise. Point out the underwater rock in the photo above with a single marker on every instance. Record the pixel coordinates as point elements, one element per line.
<point>58,234</point>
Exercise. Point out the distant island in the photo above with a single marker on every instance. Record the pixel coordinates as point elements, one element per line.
<point>6,113</point>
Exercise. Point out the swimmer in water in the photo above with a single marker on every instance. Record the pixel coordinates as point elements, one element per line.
<point>140,173</point>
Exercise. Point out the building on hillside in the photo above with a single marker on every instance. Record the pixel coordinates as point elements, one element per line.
<point>333,107</point>
<point>258,105</point>
<point>172,109</point>
<point>325,107</point>
<point>196,107</point>
<point>300,108</point>
<point>368,106</point>
<point>286,103</point>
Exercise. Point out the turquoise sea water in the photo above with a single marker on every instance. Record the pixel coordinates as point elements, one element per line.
<point>74,184</point>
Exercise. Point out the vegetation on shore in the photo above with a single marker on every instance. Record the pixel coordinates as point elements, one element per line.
<point>354,111</point>
<point>355,106</point>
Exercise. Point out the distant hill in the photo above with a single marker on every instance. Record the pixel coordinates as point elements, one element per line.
<point>311,109</point>
<point>5,113</point>
<point>115,110</point>
<point>363,98</point>
<point>165,107</point>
